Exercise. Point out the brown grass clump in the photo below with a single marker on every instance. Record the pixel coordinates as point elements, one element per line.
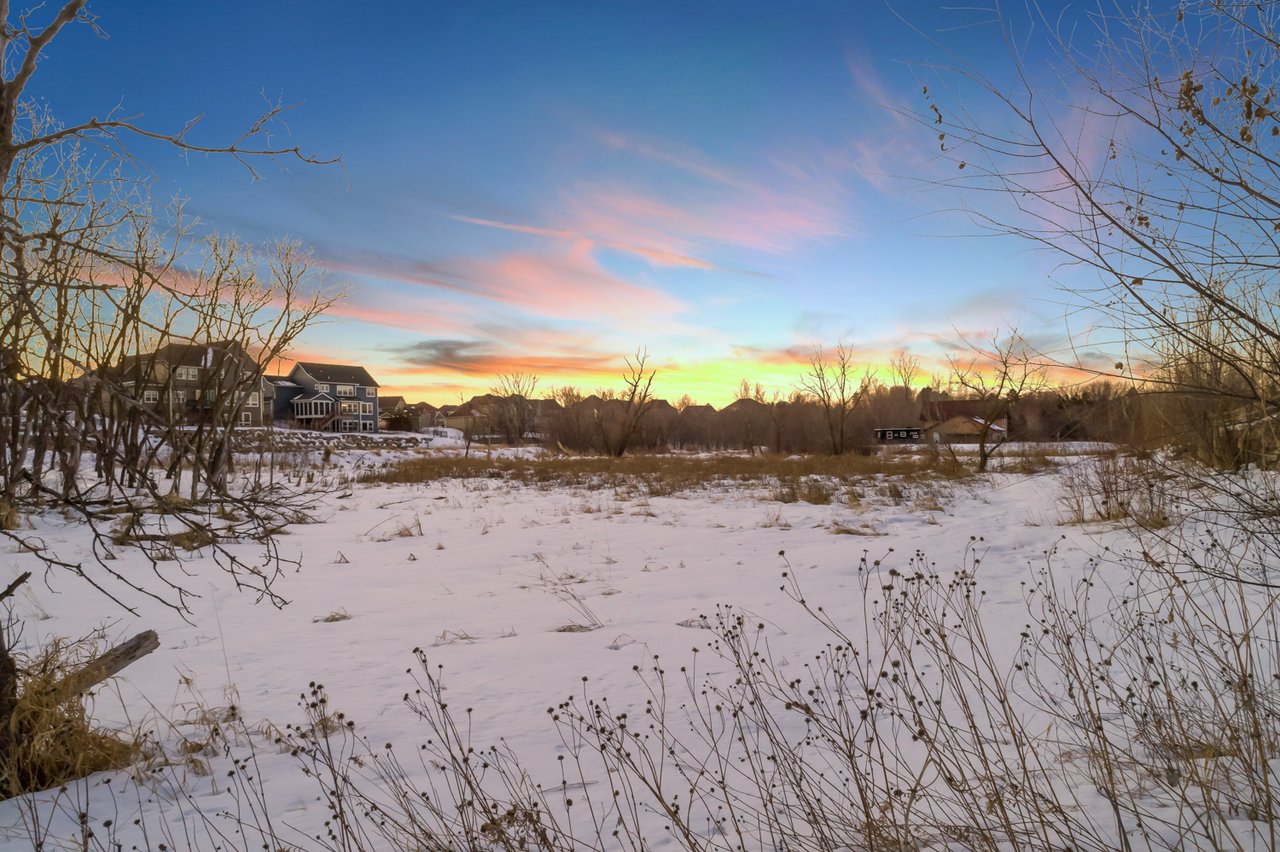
<point>193,538</point>
<point>53,741</point>
<point>335,616</point>
<point>9,518</point>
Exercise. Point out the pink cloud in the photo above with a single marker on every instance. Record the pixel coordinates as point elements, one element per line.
<point>428,316</point>
<point>757,219</point>
<point>700,203</point>
<point>571,285</point>
<point>566,284</point>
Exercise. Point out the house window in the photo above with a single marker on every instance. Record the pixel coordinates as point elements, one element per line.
<point>188,374</point>
<point>350,408</point>
<point>366,408</point>
<point>253,401</point>
<point>366,426</point>
<point>349,425</point>
<point>246,417</point>
<point>321,388</point>
<point>179,396</point>
<point>346,390</point>
<point>151,397</point>
<point>370,391</point>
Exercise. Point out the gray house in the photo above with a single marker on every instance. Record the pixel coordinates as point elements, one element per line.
<point>192,381</point>
<point>327,397</point>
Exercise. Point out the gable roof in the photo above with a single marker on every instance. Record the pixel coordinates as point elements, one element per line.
<point>389,404</point>
<point>191,353</point>
<point>340,374</point>
<point>223,354</point>
<point>938,410</point>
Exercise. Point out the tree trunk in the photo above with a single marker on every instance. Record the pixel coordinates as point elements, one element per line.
<point>104,666</point>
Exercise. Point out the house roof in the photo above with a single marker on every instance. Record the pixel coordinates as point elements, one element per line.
<point>187,353</point>
<point>196,353</point>
<point>280,381</point>
<point>340,374</point>
<point>391,403</point>
<point>746,405</point>
<point>979,409</point>
<point>312,397</point>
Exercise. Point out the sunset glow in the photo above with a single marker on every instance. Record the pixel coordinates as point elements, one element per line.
<point>550,188</point>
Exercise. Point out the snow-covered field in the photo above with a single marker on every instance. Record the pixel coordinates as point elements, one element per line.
<point>484,576</point>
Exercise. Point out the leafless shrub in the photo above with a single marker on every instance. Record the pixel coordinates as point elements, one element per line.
<point>1115,487</point>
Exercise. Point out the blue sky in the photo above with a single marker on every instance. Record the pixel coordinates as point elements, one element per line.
<point>549,186</point>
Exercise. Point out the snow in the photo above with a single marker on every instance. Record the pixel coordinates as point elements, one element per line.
<point>483,575</point>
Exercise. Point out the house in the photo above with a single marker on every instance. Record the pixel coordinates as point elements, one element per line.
<point>472,417</point>
<point>965,420</point>
<point>330,397</point>
<point>277,393</point>
<point>546,413</point>
<point>417,417</point>
<point>899,435</point>
<point>191,381</point>
<point>395,414</point>
<point>390,409</point>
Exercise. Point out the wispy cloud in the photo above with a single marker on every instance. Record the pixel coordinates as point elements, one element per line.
<point>569,283</point>
<point>706,203</point>
<point>690,223</point>
<point>485,358</point>
<point>657,256</point>
<point>681,157</point>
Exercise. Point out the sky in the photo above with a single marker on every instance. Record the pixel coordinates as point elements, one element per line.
<point>550,187</point>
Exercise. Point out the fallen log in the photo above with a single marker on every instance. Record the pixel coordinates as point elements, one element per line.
<point>104,666</point>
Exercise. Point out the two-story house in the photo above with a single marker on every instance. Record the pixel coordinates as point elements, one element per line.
<point>329,397</point>
<point>190,381</point>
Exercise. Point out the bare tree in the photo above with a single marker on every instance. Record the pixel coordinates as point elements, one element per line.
<point>93,277</point>
<point>513,414</point>
<point>618,423</point>
<point>1157,171</point>
<point>833,384</point>
<point>996,377</point>
<point>93,280</point>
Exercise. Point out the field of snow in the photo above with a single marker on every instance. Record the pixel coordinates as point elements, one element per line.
<point>519,592</point>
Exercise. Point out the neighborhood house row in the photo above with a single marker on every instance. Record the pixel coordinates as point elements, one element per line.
<point>192,381</point>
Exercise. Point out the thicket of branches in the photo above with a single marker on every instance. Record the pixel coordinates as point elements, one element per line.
<point>94,278</point>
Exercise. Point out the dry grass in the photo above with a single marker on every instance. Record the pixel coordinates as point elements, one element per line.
<point>52,741</point>
<point>810,477</point>
<point>193,538</point>
<point>9,518</point>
